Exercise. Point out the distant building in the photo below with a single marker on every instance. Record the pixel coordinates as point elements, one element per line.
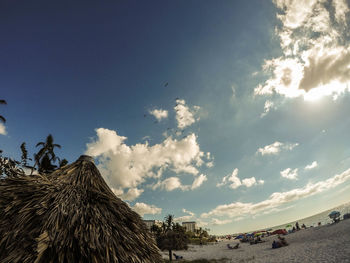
<point>189,226</point>
<point>150,223</point>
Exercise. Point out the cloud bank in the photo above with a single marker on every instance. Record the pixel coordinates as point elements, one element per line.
<point>238,209</point>
<point>127,167</point>
<point>316,53</point>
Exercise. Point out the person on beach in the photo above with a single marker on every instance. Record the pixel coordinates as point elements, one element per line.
<point>297,226</point>
<point>276,244</point>
<point>303,226</point>
<point>280,243</point>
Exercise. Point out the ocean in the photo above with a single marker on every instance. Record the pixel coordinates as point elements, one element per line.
<point>321,217</point>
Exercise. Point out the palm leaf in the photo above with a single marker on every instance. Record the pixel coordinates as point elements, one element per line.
<point>39,143</point>
<point>2,119</point>
<point>57,145</point>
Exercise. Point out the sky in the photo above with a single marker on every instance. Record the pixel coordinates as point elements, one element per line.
<point>233,114</point>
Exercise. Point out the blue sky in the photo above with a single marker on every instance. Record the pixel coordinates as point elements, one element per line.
<point>233,114</point>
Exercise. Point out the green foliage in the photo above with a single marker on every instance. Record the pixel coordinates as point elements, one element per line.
<point>171,236</point>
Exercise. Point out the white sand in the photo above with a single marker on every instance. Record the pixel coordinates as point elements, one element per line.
<point>328,243</point>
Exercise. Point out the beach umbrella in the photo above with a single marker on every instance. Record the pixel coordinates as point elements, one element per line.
<point>70,216</point>
<point>289,225</point>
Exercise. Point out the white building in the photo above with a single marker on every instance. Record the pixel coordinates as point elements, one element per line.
<point>189,226</point>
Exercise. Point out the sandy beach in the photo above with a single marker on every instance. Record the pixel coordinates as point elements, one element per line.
<point>328,243</point>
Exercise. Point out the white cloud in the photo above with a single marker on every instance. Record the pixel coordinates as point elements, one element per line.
<point>248,182</point>
<point>117,191</point>
<point>290,174</point>
<point>277,199</point>
<point>261,181</point>
<point>276,147</point>
<point>159,114</point>
<point>210,164</point>
<point>143,209</point>
<point>184,115</point>
<point>130,195</point>
<point>231,178</point>
<point>2,129</point>
<point>170,184</point>
<point>173,183</point>
<point>233,97</point>
<point>341,9</point>
<point>129,166</point>
<point>313,165</point>
<point>235,182</point>
<point>216,221</point>
<point>267,108</point>
<point>190,216</point>
<point>198,181</point>
<point>316,51</point>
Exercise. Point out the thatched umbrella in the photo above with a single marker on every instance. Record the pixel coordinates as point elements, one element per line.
<point>70,216</point>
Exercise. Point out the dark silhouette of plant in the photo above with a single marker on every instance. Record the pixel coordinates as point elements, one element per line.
<point>24,156</point>
<point>171,236</point>
<point>10,167</point>
<point>63,163</point>
<point>46,156</point>
<point>44,159</point>
<point>2,118</point>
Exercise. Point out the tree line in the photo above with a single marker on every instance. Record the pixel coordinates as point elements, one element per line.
<point>44,161</point>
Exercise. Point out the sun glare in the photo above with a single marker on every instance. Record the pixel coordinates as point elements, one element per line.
<point>333,89</point>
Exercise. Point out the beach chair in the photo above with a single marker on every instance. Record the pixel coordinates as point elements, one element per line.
<point>177,257</point>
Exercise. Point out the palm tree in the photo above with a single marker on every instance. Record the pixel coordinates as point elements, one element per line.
<point>2,118</point>
<point>46,155</point>
<point>172,237</point>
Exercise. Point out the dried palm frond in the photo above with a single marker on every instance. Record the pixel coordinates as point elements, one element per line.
<point>70,216</point>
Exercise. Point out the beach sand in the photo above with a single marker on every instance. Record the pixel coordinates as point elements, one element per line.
<point>328,243</point>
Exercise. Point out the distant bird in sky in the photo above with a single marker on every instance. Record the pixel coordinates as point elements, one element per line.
<point>166,84</point>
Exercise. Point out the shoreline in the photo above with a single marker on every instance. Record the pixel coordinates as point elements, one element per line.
<point>326,243</point>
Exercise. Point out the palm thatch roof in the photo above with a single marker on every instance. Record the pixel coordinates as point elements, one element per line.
<point>70,216</point>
